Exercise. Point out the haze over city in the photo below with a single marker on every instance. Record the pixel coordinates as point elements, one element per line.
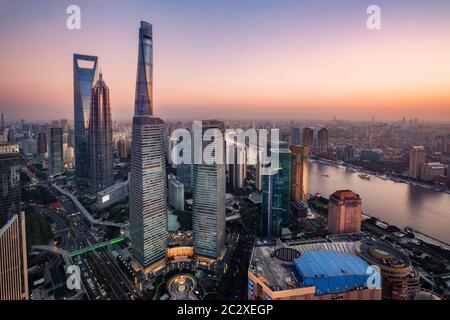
<point>252,59</point>
<point>239,151</point>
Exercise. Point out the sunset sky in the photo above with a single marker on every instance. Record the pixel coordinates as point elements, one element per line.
<point>234,59</point>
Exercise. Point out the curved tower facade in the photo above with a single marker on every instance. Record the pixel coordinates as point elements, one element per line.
<point>144,79</point>
<point>148,185</point>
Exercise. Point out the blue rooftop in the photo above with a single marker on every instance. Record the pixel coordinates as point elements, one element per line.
<point>331,271</point>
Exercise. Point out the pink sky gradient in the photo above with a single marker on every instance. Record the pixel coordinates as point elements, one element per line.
<point>314,64</point>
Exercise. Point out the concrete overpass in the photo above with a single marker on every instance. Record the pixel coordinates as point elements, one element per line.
<point>85,212</point>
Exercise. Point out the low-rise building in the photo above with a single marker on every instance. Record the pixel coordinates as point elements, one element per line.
<point>279,271</point>
<point>111,195</point>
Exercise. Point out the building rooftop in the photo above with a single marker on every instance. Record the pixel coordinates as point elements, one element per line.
<point>273,263</point>
<point>112,188</point>
<point>329,263</point>
<point>346,195</point>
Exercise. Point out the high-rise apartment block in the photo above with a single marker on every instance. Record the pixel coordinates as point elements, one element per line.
<point>323,141</point>
<point>308,138</point>
<point>416,161</point>
<point>299,173</point>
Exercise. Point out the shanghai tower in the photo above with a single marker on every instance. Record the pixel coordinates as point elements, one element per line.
<point>100,138</point>
<point>84,77</point>
<point>148,188</point>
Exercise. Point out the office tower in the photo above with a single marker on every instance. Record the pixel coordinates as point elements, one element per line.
<point>277,194</point>
<point>11,136</point>
<point>10,178</point>
<point>100,139</point>
<point>63,124</point>
<point>184,174</point>
<point>344,212</point>
<point>323,141</point>
<point>299,173</point>
<point>71,138</point>
<point>84,77</point>
<point>208,187</point>
<point>41,143</point>
<point>238,169</point>
<point>2,130</point>
<point>176,193</point>
<point>148,188</point>
<point>55,151</point>
<point>123,149</point>
<point>13,259</point>
<point>308,138</point>
<point>296,136</point>
<point>416,161</point>
<point>259,170</point>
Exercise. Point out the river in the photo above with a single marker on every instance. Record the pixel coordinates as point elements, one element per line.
<point>397,203</point>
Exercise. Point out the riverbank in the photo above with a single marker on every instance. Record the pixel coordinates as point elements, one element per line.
<point>398,203</point>
<point>393,177</point>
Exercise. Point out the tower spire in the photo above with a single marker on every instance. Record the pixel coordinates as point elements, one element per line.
<point>144,79</point>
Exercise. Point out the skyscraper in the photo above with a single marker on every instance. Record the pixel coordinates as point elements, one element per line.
<point>144,79</point>
<point>259,177</point>
<point>296,136</point>
<point>308,138</point>
<point>13,259</point>
<point>344,212</point>
<point>176,193</point>
<point>208,187</point>
<point>416,161</point>
<point>238,169</point>
<point>276,194</point>
<point>323,141</point>
<point>100,139</point>
<point>55,151</point>
<point>10,181</point>
<point>84,77</point>
<point>299,173</point>
<point>41,143</point>
<point>148,186</point>
<point>184,174</point>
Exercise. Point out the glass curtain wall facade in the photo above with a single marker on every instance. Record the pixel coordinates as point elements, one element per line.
<point>84,75</point>
<point>9,181</point>
<point>55,151</point>
<point>208,187</point>
<point>276,194</point>
<point>148,181</point>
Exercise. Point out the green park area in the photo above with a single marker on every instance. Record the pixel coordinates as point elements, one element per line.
<point>38,228</point>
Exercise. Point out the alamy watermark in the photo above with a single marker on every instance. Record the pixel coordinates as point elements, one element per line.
<point>231,146</point>
<point>74,277</point>
<point>373,21</point>
<point>73,21</point>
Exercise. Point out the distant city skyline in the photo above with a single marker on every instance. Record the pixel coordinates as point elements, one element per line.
<point>252,60</point>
